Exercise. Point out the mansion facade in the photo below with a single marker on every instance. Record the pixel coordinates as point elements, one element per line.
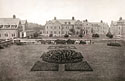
<point>117,28</point>
<point>12,28</point>
<point>60,27</point>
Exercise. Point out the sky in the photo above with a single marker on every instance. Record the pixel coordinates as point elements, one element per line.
<point>40,11</point>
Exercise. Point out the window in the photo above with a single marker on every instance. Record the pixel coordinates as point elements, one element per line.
<point>47,32</point>
<point>69,22</point>
<point>62,32</point>
<point>54,32</point>
<point>13,26</point>
<point>1,26</point>
<point>55,27</point>
<point>65,22</point>
<point>13,35</point>
<point>7,26</point>
<point>67,27</point>
<point>6,35</point>
<point>51,32</point>
<point>51,27</point>
<point>59,27</point>
<point>47,27</point>
<point>0,35</point>
<point>59,32</point>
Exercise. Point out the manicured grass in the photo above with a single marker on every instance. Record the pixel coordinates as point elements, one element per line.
<point>107,62</point>
<point>43,66</point>
<point>80,66</point>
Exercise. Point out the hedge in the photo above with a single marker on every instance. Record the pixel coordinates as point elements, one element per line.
<point>114,44</point>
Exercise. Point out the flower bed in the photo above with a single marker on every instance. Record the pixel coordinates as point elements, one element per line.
<point>62,56</point>
<point>80,66</point>
<point>43,66</point>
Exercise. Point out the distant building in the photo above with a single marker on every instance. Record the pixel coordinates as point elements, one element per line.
<point>12,28</point>
<point>118,27</point>
<point>60,27</point>
<point>99,27</point>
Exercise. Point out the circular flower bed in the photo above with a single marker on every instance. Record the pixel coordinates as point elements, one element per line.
<point>62,56</point>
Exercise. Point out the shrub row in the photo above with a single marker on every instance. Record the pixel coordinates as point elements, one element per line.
<point>4,44</point>
<point>69,41</point>
<point>113,44</point>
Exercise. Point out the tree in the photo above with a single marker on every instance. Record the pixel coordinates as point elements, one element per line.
<point>109,34</point>
<point>35,35</point>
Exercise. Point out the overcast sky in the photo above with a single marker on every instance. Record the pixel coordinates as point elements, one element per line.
<point>39,11</point>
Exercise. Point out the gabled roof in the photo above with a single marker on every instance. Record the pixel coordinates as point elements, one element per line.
<point>62,21</point>
<point>23,21</point>
<point>11,21</point>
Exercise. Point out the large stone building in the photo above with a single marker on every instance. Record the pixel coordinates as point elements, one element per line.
<point>117,28</point>
<point>60,27</point>
<point>12,28</point>
<point>99,27</point>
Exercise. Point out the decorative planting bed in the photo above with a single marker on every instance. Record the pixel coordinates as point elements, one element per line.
<point>80,66</point>
<point>62,56</point>
<point>43,66</point>
<point>54,60</point>
<point>61,47</point>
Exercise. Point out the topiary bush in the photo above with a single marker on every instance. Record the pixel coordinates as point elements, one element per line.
<point>80,35</point>
<point>82,42</point>
<point>69,41</point>
<point>62,56</point>
<point>95,35</point>
<point>66,36</point>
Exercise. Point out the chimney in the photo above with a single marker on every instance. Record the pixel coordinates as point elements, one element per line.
<point>101,21</point>
<point>86,20</point>
<point>120,18</point>
<point>14,16</point>
<point>73,18</point>
<point>54,18</point>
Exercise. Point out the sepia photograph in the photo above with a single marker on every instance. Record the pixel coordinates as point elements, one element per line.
<point>62,40</point>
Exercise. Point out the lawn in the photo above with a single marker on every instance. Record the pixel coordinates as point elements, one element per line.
<point>107,64</point>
